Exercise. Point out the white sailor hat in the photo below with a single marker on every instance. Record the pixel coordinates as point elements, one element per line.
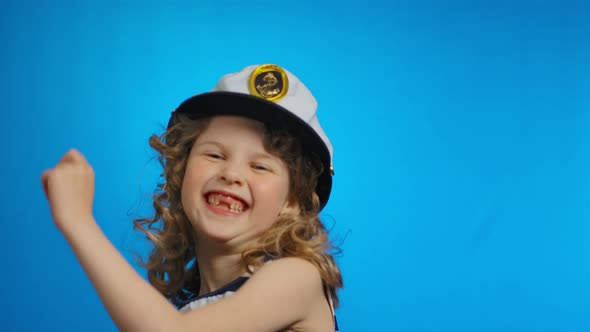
<point>271,95</point>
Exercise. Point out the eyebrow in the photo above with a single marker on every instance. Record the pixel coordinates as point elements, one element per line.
<point>256,155</point>
<point>211,143</point>
<point>265,155</point>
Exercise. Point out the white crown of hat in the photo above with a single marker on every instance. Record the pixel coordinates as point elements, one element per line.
<point>297,100</point>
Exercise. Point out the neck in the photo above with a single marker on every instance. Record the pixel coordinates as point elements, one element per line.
<point>217,266</point>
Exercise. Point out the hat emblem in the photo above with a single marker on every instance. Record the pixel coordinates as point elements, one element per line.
<point>269,82</point>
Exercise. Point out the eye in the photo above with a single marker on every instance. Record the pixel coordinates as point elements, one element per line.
<point>260,167</point>
<point>214,155</point>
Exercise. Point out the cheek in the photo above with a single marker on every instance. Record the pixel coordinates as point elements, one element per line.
<point>192,183</point>
<point>275,194</point>
<point>186,193</point>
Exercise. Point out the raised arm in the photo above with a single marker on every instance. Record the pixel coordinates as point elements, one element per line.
<point>133,304</point>
<point>277,296</point>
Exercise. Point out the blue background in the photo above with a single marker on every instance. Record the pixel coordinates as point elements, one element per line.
<point>461,134</point>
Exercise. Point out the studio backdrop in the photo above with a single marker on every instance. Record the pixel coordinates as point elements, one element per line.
<point>461,133</point>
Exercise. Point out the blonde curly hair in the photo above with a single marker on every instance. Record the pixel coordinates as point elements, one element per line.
<point>172,267</point>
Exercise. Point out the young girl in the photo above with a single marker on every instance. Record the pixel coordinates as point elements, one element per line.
<point>238,245</point>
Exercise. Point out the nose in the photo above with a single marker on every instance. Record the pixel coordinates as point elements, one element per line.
<point>231,175</point>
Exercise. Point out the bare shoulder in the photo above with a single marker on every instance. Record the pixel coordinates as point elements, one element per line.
<point>285,294</point>
<point>291,276</point>
<point>296,269</point>
<point>293,287</point>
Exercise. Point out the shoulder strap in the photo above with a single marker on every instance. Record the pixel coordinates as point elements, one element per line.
<point>328,294</point>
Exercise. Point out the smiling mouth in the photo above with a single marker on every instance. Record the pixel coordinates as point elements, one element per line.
<point>226,202</point>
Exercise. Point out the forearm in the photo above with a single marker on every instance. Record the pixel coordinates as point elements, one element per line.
<point>133,304</point>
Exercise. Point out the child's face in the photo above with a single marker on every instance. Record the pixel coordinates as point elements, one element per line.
<point>233,189</point>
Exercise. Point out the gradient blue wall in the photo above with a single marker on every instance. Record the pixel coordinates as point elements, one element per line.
<point>461,133</point>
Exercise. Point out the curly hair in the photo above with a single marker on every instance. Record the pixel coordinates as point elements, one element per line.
<point>171,265</point>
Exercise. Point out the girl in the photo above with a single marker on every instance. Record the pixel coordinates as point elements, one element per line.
<point>238,245</point>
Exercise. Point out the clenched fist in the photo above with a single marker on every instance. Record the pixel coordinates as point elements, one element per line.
<point>69,188</point>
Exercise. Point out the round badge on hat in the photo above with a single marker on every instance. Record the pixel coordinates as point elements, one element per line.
<point>269,82</point>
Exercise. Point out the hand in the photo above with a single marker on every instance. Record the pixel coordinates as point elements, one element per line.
<point>69,188</point>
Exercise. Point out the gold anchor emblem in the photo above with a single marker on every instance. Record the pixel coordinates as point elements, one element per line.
<point>269,82</point>
<point>267,90</point>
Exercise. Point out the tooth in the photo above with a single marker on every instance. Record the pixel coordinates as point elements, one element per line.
<point>213,200</point>
<point>237,206</point>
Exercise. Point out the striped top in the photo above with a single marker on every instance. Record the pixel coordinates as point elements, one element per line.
<point>196,302</point>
